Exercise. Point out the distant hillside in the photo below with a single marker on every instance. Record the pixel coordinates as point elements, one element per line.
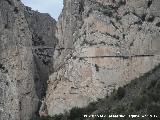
<point>140,97</point>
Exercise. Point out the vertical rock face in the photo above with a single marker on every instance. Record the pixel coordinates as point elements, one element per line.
<point>26,48</point>
<point>103,44</point>
<point>43,28</point>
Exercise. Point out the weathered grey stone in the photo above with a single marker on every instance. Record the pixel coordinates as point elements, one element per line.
<point>103,44</point>
<point>27,40</point>
<point>99,45</point>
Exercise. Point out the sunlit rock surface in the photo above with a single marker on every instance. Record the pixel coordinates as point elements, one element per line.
<point>27,43</point>
<point>102,44</point>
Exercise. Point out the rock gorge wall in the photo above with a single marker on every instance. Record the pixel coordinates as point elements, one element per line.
<point>102,44</point>
<point>27,41</point>
<point>99,45</point>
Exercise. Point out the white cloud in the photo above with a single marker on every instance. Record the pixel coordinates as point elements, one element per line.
<point>53,7</point>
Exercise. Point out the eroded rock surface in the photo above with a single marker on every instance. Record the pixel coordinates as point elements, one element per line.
<point>99,45</point>
<point>103,44</point>
<point>27,43</point>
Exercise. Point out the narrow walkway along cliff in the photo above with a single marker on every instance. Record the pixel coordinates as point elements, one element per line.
<point>101,44</point>
<point>27,42</point>
<point>48,67</point>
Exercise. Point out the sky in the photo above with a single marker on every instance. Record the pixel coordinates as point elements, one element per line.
<point>53,7</point>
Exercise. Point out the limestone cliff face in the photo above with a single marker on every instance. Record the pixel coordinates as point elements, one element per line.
<point>42,27</point>
<point>102,44</point>
<point>27,41</point>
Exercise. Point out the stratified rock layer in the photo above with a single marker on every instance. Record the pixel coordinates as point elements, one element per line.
<point>103,44</point>
<point>26,47</point>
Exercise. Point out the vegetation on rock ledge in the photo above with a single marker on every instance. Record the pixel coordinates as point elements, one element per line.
<point>140,97</point>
